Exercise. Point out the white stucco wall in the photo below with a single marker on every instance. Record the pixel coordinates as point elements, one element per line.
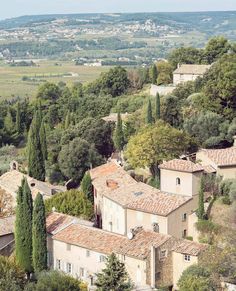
<point>189,183</point>
<point>113,217</point>
<point>179,265</point>
<point>181,78</point>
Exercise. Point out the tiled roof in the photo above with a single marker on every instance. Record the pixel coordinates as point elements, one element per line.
<point>189,248</point>
<point>142,197</point>
<point>222,157</point>
<point>10,182</point>
<point>7,225</point>
<point>192,69</point>
<point>106,242</point>
<point>209,169</point>
<point>181,165</point>
<point>56,221</point>
<point>110,172</point>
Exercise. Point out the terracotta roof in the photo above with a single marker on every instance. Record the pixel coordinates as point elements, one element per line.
<point>192,69</point>
<point>56,221</point>
<point>189,248</point>
<point>106,242</point>
<point>209,169</point>
<point>7,225</point>
<point>142,197</point>
<point>181,165</point>
<point>110,172</point>
<point>222,157</point>
<point>10,182</point>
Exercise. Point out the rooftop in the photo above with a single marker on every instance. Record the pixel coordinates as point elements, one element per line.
<point>142,197</point>
<point>189,248</point>
<point>113,117</point>
<point>192,69</point>
<point>221,157</point>
<point>182,166</point>
<point>106,242</point>
<point>7,225</point>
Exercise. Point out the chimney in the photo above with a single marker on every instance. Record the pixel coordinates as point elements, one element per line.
<point>112,184</point>
<point>234,138</point>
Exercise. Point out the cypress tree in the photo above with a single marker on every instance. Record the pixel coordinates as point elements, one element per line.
<point>18,118</point>
<point>36,165</point>
<point>158,107</point>
<point>149,113</point>
<point>119,134</point>
<point>154,74</point>
<point>39,236</point>
<point>201,210</point>
<point>23,231</point>
<point>67,120</point>
<point>87,187</point>
<point>8,122</point>
<point>43,141</point>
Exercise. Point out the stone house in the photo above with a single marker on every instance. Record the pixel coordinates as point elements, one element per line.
<point>121,203</point>
<point>222,161</point>
<point>186,73</point>
<point>6,235</point>
<point>80,250</point>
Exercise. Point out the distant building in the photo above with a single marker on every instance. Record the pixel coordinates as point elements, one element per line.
<point>7,235</point>
<point>221,161</point>
<point>112,117</point>
<point>186,73</point>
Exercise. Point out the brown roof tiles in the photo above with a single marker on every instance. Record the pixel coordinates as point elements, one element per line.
<point>181,165</point>
<point>189,248</point>
<point>222,157</point>
<point>188,69</point>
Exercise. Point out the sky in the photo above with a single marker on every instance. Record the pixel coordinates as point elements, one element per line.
<point>13,8</point>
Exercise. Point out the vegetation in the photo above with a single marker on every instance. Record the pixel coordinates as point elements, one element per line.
<point>114,276</point>
<point>87,187</point>
<point>71,202</point>
<point>119,134</point>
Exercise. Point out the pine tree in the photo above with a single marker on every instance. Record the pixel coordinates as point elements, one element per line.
<point>18,118</point>
<point>23,227</point>
<point>8,122</point>
<point>201,210</point>
<point>43,141</point>
<point>86,186</point>
<point>158,105</point>
<point>39,236</point>
<point>36,165</point>
<point>114,277</point>
<point>119,134</point>
<point>154,74</point>
<point>149,113</point>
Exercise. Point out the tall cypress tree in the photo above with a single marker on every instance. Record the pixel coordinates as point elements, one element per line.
<point>158,107</point>
<point>154,74</point>
<point>18,118</point>
<point>201,210</point>
<point>67,120</point>
<point>36,164</point>
<point>149,113</point>
<point>39,236</point>
<point>8,122</point>
<point>43,141</point>
<point>119,134</point>
<point>23,231</point>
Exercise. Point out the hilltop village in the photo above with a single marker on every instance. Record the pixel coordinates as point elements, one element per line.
<point>125,183</point>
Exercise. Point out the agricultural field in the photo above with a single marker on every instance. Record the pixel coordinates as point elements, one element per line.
<point>24,81</point>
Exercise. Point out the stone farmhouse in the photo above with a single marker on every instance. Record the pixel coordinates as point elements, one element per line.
<point>186,73</point>
<point>121,203</point>
<point>220,161</point>
<point>151,259</point>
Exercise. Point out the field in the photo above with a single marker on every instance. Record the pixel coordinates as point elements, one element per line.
<point>12,82</point>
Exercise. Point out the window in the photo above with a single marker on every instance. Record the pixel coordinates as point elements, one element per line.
<point>69,268</point>
<point>102,258</point>
<point>58,264</point>
<point>184,217</point>
<point>184,234</point>
<point>81,272</point>
<point>87,253</point>
<point>163,254</point>
<point>177,181</point>
<point>187,258</point>
<point>68,247</point>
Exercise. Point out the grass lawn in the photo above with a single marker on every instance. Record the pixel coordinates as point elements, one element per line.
<point>12,85</point>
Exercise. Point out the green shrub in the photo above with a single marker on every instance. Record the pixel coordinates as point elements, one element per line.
<point>225,186</point>
<point>226,200</point>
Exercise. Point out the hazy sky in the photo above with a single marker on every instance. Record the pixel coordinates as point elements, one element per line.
<point>11,8</point>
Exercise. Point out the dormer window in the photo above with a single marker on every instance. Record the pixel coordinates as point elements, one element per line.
<point>177,181</point>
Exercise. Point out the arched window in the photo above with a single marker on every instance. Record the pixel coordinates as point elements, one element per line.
<point>177,181</point>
